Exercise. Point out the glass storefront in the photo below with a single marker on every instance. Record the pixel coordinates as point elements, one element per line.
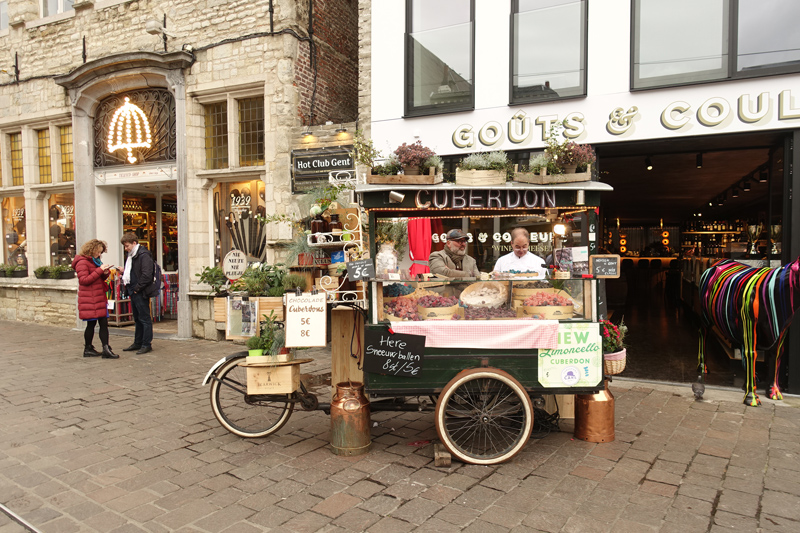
<point>235,226</point>
<point>61,221</point>
<point>14,251</point>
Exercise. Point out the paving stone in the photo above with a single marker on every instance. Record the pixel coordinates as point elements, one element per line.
<point>417,511</point>
<point>335,505</point>
<point>356,520</point>
<point>780,504</point>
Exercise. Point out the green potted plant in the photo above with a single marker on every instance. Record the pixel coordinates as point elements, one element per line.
<point>292,282</point>
<point>255,346</point>
<point>19,271</point>
<point>411,156</point>
<point>614,351</point>
<point>62,272</point>
<point>364,153</point>
<point>484,168</point>
<point>5,270</point>
<point>42,272</point>
<point>215,278</point>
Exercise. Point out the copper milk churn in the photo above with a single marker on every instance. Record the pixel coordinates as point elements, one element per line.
<point>350,425</point>
<point>594,416</point>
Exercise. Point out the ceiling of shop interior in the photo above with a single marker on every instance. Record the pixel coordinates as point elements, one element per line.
<point>675,189</point>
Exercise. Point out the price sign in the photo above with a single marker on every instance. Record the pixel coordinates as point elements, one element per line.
<point>305,320</point>
<point>604,266</point>
<point>393,354</point>
<point>360,270</point>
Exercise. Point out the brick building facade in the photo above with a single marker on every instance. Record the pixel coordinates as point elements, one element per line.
<point>227,88</point>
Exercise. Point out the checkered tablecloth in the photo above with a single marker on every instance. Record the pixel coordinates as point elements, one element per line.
<point>483,334</point>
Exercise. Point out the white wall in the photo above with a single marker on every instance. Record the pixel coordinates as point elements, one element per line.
<point>608,73</point>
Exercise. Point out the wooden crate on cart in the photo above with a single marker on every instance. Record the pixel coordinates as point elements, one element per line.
<point>431,178</point>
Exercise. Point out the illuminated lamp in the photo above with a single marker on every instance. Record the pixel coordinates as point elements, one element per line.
<point>763,175</point>
<point>665,234</point>
<point>735,193</point>
<point>129,129</point>
<point>665,242</point>
<point>622,249</point>
<point>560,229</point>
<point>648,163</point>
<point>746,186</point>
<point>623,242</point>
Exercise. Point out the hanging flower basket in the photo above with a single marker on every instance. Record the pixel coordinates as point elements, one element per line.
<point>614,363</point>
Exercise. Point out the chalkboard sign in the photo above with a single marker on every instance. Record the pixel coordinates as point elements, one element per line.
<point>602,301</point>
<point>604,266</point>
<point>360,270</point>
<point>393,354</point>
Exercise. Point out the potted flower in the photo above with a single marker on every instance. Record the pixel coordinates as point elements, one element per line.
<point>614,351</point>
<point>42,272</point>
<point>6,270</point>
<point>484,168</point>
<point>411,157</point>
<point>567,155</point>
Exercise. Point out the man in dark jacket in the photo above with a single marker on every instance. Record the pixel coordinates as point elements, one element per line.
<point>138,281</point>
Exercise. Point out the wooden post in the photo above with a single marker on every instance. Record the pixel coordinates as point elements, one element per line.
<point>343,366</point>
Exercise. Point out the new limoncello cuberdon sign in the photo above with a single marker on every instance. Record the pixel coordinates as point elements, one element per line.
<point>577,360</point>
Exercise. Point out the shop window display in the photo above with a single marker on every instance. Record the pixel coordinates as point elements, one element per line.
<point>61,220</point>
<point>235,226</point>
<point>15,249</point>
<point>557,291</point>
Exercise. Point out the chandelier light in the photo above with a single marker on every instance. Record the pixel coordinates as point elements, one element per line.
<point>129,129</point>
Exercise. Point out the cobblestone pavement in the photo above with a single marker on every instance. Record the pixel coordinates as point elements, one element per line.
<point>132,445</point>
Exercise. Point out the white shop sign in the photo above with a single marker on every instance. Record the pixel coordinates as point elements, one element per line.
<point>306,323</point>
<point>137,174</point>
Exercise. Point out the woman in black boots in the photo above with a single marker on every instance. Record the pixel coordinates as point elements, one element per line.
<point>92,300</point>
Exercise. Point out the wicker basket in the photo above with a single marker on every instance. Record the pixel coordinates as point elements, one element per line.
<point>614,363</point>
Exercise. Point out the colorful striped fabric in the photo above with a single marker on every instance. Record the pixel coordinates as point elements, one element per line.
<point>750,307</point>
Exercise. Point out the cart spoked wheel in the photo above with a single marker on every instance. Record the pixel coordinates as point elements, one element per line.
<point>242,414</point>
<point>484,416</point>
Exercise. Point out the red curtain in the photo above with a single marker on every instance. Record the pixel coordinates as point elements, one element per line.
<point>419,244</point>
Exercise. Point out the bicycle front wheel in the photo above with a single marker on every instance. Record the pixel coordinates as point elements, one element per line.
<point>243,415</point>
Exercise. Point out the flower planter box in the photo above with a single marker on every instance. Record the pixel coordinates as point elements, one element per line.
<point>19,274</point>
<point>430,178</point>
<point>44,275</point>
<point>480,177</point>
<point>66,275</point>
<point>543,178</point>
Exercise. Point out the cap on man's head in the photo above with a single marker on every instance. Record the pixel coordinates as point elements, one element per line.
<point>456,235</point>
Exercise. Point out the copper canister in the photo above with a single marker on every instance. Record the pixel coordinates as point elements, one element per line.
<point>350,424</point>
<point>594,416</point>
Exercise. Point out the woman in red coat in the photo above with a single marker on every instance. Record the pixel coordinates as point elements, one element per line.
<point>92,301</point>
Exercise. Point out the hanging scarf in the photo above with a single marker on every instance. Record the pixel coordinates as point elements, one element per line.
<point>454,257</point>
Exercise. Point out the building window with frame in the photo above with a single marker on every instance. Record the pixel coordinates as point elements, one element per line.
<point>538,74</point>
<point>719,39</point>
<point>251,131</point>
<point>43,154</point>
<point>216,124</point>
<point>67,168</point>
<point>54,7</point>
<point>4,15</point>
<point>17,177</point>
<point>440,56</point>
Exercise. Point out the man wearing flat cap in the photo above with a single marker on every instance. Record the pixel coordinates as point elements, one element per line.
<point>452,261</point>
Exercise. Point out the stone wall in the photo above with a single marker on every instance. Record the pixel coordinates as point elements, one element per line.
<point>365,65</point>
<point>46,301</point>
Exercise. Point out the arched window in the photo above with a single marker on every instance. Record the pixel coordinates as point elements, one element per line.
<point>158,106</point>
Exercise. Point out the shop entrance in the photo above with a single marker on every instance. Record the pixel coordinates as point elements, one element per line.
<point>153,218</point>
<point>669,223</point>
